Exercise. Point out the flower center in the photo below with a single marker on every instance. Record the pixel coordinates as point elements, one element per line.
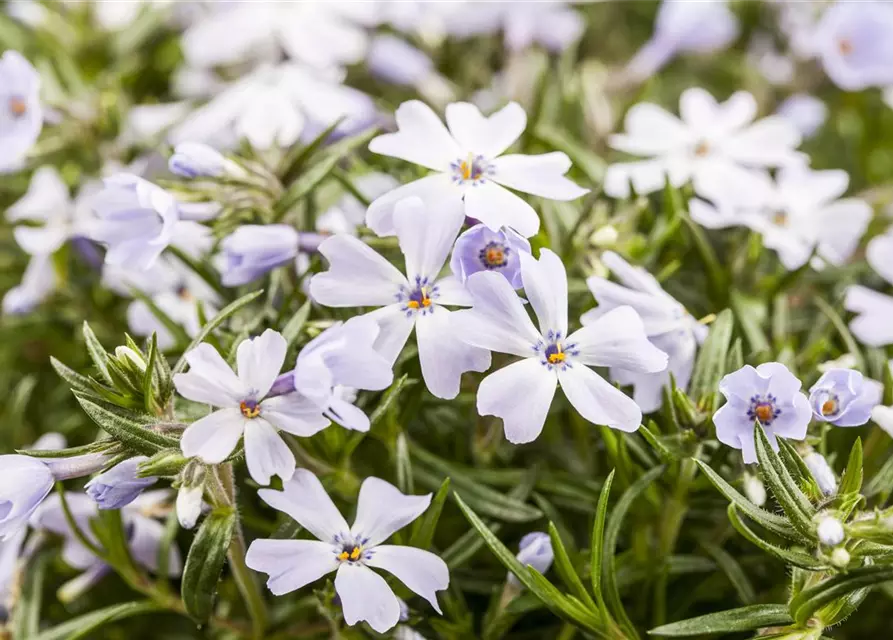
<point>831,405</point>
<point>845,46</point>
<point>763,409</point>
<point>418,298</point>
<point>350,553</point>
<point>702,149</point>
<point>184,294</point>
<point>473,169</point>
<point>555,352</point>
<point>780,218</point>
<point>249,408</point>
<point>17,107</point>
<point>494,255</point>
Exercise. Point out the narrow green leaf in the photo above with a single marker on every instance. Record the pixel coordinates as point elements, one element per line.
<point>598,537</point>
<point>851,482</point>
<point>390,397</point>
<point>771,522</point>
<point>755,616</point>
<point>205,562</point>
<point>216,321</point>
<point>75,380</point>
<point>133,430</point>
<point>423,535</point>
<point>749,313</point>
<point>293,327</point>
<point>789,556</point>
<point>565,568</point>
<point>83,626</point>
<point>796,506</point>
<point>174,328</point>
<point>666,455</point>
<point>710,366</point>
<point>811,600</point>
<point>150,379</point>
<point>294,161</point>
<point>797,468</point>
<point>99,446</point>
<point>97,353</point>
<point>25,621</point>
<point>732,569</point>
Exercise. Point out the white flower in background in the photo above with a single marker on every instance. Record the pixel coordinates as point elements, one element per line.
<point>472,172</point>
<point>38,282</point>
<point>769,394</point>
<point>320,34</point>
<point>553,24</point>
<point>799,212</point>
<point>343,356</point>
<point>822,472</point>
<point>711,141</point>
<point>195,160</point>
<point>684,27</point>
<point>145,123</point>
<point>349,213</point>
<point>21,114</point>
<point>360,277</point>
<point>874,310</point>
<point>667,324</point>
<point>534,550</point>
<point>350,551</point>
<point>252,250</point>
<point>274,107</point>
<point>135,220</point>
<point>805,112</point>
<point>853,42</point>
<point>396,61</point>
<point>522,393</point>
<point>243,407</point>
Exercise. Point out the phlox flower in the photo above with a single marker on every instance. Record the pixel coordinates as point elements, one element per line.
<point>350,551</point>
<point>26,482</point>
<point>873,309</point>
<point>119,486</point>
<point>21,114</point>
<point>534,550</point>
<point>244,408</point>
<point>844,398</point>
<point>667,324</point>
<point>799,212</point>
<point>769,394</point>
<point>360,277</point>
<point>482,249</point>
<point>710,141</point>
<point>253,249</point>
<point>471,171</point>
<point>522,393</point>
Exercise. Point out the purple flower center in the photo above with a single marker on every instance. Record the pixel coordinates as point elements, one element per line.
<point>249,408</point>
<point>419,298</point>
<point>473,169</point>
<point>494,255</point>
<point>555,352</point>
<point>351,550</point>
<point>763,409</point>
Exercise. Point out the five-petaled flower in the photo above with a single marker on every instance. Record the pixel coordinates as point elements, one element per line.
<point>245,408</point>
<point>350,551</point>
<point>360,277</point>
<point>844,397</point>
<point>522,393</point>
<point>472,172</point>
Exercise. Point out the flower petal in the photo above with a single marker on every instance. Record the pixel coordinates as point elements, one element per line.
<point>545,285</point>
<point>366,597</point>
<point>437,188</point>
<point>618,339</point>
<point>426,234</point>
<point>498,207</point>
<point>521,395</point>
<point>382,509</point>
<point>213,437</point>
<point>294,414</point>
<point>209,379</point>
<point>599,401</point>
<point>444,357</point>
<point>486,136</point>
<point>291,564</point>
<point>872,326</point>
<point>422,571</point>
<point>498,320</point>
<point>421,138</point>
<point>259,361</point>
<point>451,291</point>
<point>396,325</point>
<point>305,500</point>
<point>348,415</point>
<point>540,175</point>
<point>650,131</point>
<point>357,277</point>
<point>265,453</point>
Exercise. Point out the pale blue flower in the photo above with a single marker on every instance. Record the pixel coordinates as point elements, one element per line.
<point>769,394</point>
<point>854,44</point>
<point>844,398</point>
<point>24,483</point>
<point>119,486</point>
<point>535,550</point>
<point>196,159</point>
<point>21,114</point>
<point>482,249</point>
<point>253,250</point>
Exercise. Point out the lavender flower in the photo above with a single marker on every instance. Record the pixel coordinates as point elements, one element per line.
<point>253,250</point>
<point>24,483</point>
<point>535,550</point>
<point>195,159</point>
<point>21,115</point>
<point>844,398</point>
<point>119,486</point>
<point>853,42</point>
<point>482,249</point>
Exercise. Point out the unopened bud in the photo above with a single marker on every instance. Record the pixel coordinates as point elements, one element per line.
<point>822,472</point>
<point>194,160</point>
<point>754,489</point>
<point>830,531</point>
<point>189,496</point>
<point>167,462</point>
<point>606,236</point>
<point>840,557</point>
<point>130,359</point>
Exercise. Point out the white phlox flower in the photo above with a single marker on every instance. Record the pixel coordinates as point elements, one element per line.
<point>873,309</point>
<point>667,324</point>
<point>522,393</point>
<point>21,114</point>
<point>350,551</point>
<point>472,173</point>
<point>243,407</point>
<point>710,139</point>
<point>360,277</point>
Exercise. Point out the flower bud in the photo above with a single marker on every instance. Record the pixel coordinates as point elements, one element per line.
<point>830,531</point>
<point>167,462</point>
<point>77,466</point>
<point>130,359</point>
<point>119,486</point>
<point>189,496</point>
<point>605,236</point>
<point>822,472</point>
<point>253,250</point>
<point>840,557</point>
<point>535,550</point>
<point>754,489</point>
<point>194,160</point>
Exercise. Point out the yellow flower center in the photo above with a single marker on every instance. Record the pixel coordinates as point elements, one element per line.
<point>829,406</point>
<point>419,299</point>
<point>17,107</point>
<point>702,149</point>
<point>352,555</point>
<point>764,412</point>
<point>249,408</point>
<point>555,354</point>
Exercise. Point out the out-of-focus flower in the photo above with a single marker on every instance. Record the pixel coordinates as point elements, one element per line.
<point>482,249</point>
<point>472,174</point>
<point>797,214</point>
<point>805,112</point>
<point>873,309</point>
<point>38,282</point>
<point>135,220</point>
<point>25,483</point>
<point>853,42</point>
<point>21,114</point>
<point>684,27</point>
<point>534,550</point>
<point>195,159</point>
<point>243,407</point>
<point>553,24</point>
<point>119,486</point>
<point>822,472</point>
<point>830,531</point>
<point>360,277</point>
<point>349,213</point>
<point>343,356</point>
<point>252,250</point>
<point>711,144</point>
<point>844,398</point>
<point>350,551</point>
<point>522,393</point>
<point>667,324</point>
<point>769,394</point>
